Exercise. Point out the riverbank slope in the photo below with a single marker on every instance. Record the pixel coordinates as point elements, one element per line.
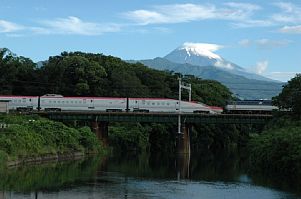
<point>30,138</point>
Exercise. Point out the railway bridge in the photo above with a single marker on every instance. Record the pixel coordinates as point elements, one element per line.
<point>100,120</point>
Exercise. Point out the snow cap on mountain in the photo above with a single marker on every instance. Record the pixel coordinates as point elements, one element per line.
<point>201,49</point>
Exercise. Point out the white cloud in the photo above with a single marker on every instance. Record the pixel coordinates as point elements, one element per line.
<point>7,27</point>
<point>74,25</point>
<point>222,64</point>
<point>290,13</point>
<point>180,13</point>
<point>267,43</point>
<point>245,6</point>
<point>261,67</point>
<point>250,23</point>
<point>245,42</point>
<point>264,43</point>
<point>175,13</point>
<point>291,29</point>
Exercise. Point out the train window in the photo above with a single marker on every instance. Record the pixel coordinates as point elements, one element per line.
<point>43,101</point>
<point>19,101</point>
<point>30,100</point>
<point>80,102</point>
<point>15,100</point>
<point>63,102</point>
<point>71,102</point>
<point>167,103</point>
<point>91,101</point>
<point>153,103</point>
<point>54,102</point>
<point>75,102</point>
<point>67,102</point>
<point>158,103</point>
<point>148,103</point>
<point>24,100</point>
<point>58,102</point>
<point>143,102</point>
<point>84,101</point>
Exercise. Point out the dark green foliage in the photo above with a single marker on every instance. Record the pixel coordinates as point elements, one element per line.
<point>88,140</point>
<point>162,138</point>
<point>36,136</point>
<point>290,97</point>
<point>87,74</point>
<point>15,72</point>
<point>221,137</point>
<point>128,137</point>
<point>49,176</point>
<point>72,75</point>
<point>278,150</point>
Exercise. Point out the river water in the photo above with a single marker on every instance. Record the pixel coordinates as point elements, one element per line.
<point>201,176</point>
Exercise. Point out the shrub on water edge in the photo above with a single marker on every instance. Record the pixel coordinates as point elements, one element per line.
<point>277,151</point>
<point>3,158</point>
<point>129,137</point>
<point>39,136</point>
<point>89,140</point>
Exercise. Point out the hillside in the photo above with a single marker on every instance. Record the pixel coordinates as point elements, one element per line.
<point>239,85</point>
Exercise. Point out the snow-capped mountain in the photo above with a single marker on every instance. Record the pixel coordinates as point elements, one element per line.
<point>199,59</point>
<point>202,54</point>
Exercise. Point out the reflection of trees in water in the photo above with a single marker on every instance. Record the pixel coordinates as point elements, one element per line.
<point>223,166</point>
<point>48,177</point>
<point>204,166</point>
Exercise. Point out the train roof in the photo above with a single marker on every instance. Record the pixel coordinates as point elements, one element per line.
<point>17,96</point>
<point>250,102</point>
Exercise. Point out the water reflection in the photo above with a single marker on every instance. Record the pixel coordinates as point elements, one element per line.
<point>205,175</point>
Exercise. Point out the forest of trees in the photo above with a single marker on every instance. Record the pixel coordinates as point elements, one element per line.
<point>290,97</point>
<point>87,74</point>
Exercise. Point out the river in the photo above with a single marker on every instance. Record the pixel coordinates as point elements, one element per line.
<point>200,176</point>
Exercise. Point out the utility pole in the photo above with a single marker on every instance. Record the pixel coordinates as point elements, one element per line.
<point>179,115</point>
<point>187,87</point>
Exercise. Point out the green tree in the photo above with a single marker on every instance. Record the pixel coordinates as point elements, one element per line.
<point>73,75</point>
<point>18,74</point>
<point>290,97</point>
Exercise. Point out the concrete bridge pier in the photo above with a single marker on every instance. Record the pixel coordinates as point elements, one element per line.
<point>101,131</point>
<point>183,140</point>
<point>2,196</point>
<point>183,166</point>
<point>183,153</point>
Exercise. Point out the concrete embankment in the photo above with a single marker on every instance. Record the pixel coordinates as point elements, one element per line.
<point>45,159</point>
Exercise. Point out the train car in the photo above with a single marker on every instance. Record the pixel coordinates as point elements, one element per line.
<point>21,103</point>
<point>250,106</point>
<point>166,105</point>
<point>54,102</point>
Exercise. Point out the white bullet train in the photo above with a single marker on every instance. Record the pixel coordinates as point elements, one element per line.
<point>54,102</point>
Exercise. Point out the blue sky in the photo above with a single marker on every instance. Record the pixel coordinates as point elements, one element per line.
<point>262,36</point>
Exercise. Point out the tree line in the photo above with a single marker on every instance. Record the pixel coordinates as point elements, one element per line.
<point>88,74</point>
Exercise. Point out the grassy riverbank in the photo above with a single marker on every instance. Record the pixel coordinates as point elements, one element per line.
<point>277,151</point>
<point>32,136</point>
